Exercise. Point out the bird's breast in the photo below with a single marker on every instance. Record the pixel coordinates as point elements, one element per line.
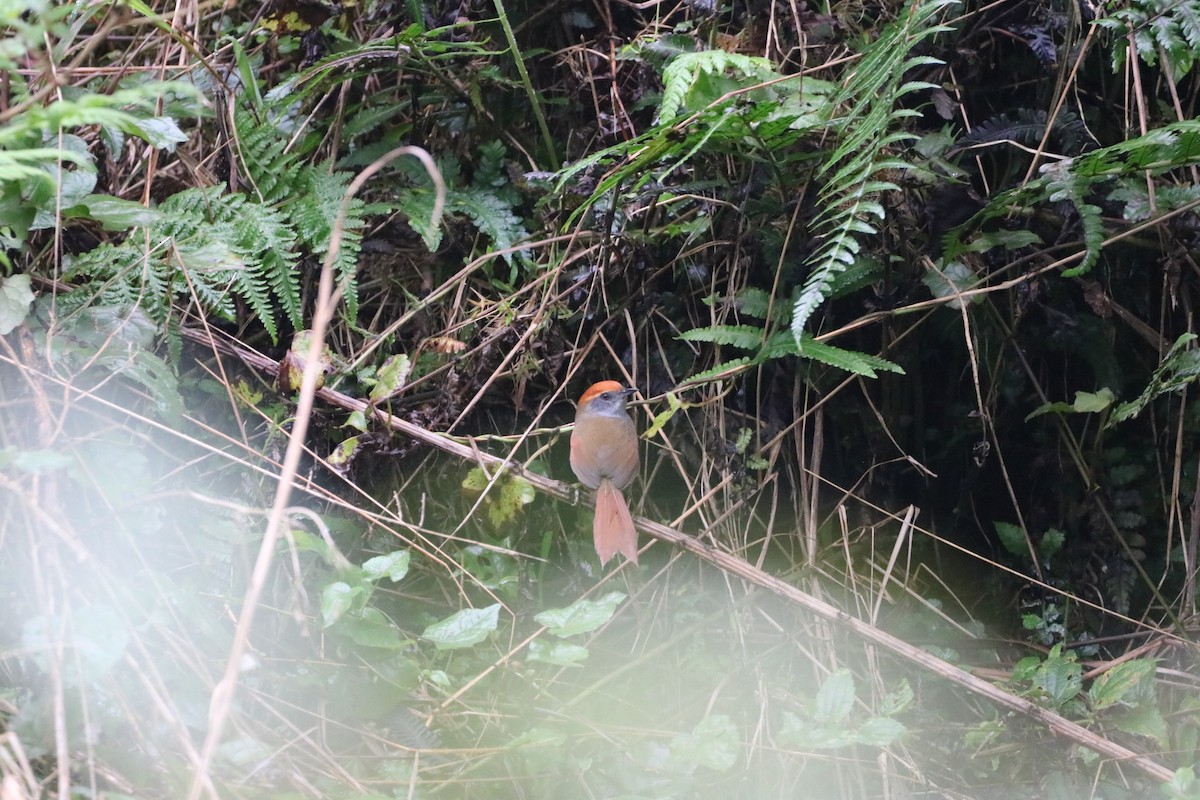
<point>604,447</point>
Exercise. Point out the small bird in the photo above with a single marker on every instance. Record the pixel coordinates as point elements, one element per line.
<point>604,456</point>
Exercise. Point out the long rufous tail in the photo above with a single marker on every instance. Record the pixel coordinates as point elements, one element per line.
<point>613,530</point>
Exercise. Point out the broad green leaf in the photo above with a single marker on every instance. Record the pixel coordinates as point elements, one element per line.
<point>1085,403</point>
<point>509,495</point>
<point>1012,538</point>
<point>1121,683</point>
<point>371,628</point>
<point>36,462</point>
<point>880,731</point>
<point>564,654</point>
<point>393,565</point>
<point>152,372</point>
<point>342,455</point>
<point>806,734</point>
<point>96,637</point>
<point>835,699</point>
<point>308,542</point>
<point>1011,240</point>
<point>1183,784</point>
<point>949,281</point>
<point>391,377</point>
<point>15,299</point>
<point>464,628</point>
<point>1060,678</point>
<point>113,213</point>
<point>336,599</point>
<point>162,133</point>
<point>1051,543</point>
<point>1145,720</point>
<point>714,743</point>
<point>358,421</point>
<point>540,737</point>
<point>1057,407</point>
<point>898,700</point>
<point>515,493</point>
<point>1093,402</point>
<point>581,616</point>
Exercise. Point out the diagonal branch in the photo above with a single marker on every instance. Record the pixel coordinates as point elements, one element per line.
<point>1053,721</point>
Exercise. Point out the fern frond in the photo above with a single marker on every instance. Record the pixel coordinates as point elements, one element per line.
<point>849,207</point>
<point>723,370</point>
<point>743,337</point>
<point>1179,368</point>
<point>1167,27</point>
<point>1024,126</point>
<point>838,252</point>
<point>216,246</point>
<point>491,215</point>
<point>757,303</point>
<point>417,206</point>
<point>1028,127</point>
<point>1169,147</point>
<point>850,360</point>
<point>262,151</point>
<point>681,74</point>
<point>1064,184</point>
<point>314,213</point>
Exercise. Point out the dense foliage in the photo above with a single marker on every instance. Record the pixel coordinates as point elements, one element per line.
<point>907,288</point>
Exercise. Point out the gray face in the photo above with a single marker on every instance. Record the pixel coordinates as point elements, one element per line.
<point>612,402</point>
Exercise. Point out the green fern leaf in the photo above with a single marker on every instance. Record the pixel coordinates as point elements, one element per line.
<point>780,344</point>
<point>492,216</point>
<point>417,206</point>
<point>262,153</point>
<point>1065,185</point>
<point>870,97</point>
<point>1179,368</point>
<point>722,370</point>
<point>858,363</point>
<point>684,71</point>
<point>757,303</point>
<point>743,337</point>
<point>314,214</point>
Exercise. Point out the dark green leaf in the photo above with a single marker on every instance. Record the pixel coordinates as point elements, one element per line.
<point>849,360</point>
<point>15,299</point>
<point>714,743</point>
<point>371,628</point>
<point>113,213</point>
<point>464,628</point>
<point>1012,538</point>
<point>1051,543</point>
<point>880,732</point>
<point>835,699</point>
<point>563,654</point>
<point>336,599</point>
<point>1122,683</point>
<point>393,565</point>
<point>1145,720</point>
<point>582,616</point>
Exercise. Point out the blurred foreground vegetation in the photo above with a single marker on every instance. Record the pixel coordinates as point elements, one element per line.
<point>907,289</point>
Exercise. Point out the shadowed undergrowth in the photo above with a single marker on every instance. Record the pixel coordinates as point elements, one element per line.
<point>906,294</point>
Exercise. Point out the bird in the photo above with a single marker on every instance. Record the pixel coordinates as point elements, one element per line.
<point>604,456</point>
